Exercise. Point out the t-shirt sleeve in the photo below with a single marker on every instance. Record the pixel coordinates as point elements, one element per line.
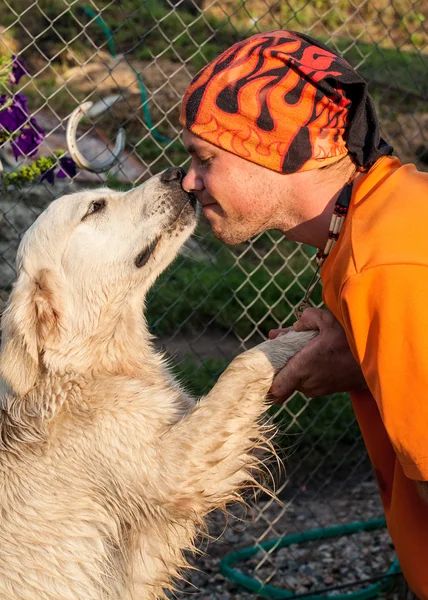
<point>385,314</point>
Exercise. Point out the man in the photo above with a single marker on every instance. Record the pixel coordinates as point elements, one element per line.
<point>283,135</point>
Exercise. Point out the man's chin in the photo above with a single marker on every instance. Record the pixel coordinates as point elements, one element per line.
<point>229,236</point>
<point>222,227</point>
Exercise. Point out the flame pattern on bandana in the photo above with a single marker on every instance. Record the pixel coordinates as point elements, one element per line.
<point>277,99</point>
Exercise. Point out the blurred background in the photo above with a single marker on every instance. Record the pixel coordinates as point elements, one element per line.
<point>133,59</point>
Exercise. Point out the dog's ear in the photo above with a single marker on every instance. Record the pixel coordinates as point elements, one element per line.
<point>28,320</point>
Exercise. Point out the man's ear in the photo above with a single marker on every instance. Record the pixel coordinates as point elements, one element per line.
<point>28,320</point>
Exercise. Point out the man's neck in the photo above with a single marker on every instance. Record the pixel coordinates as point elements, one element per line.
<point>318,196</point>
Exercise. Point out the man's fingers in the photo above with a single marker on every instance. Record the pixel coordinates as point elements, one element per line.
<point>300,325</point>
<point>312,318</point>
<point>274,333</point>
<point>285,382</point>
<point>296,372</point>
<point>281,388</point>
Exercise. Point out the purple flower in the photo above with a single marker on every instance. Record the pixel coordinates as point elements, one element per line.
<point>15,115</point>
<point>67,167</point>
<point>18,70</point>
<point>30,138</point>
<point>49,175</point>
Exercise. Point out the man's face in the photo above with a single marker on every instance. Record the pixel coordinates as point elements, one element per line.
<point>239,198</point>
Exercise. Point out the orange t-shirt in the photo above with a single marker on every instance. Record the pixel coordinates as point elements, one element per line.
<point>376,285</point>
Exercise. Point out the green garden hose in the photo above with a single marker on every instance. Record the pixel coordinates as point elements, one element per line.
<point>112,49</point>
<point>270,591</point>
<point>106,30</point>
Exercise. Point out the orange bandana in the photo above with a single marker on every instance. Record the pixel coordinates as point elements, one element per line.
<point>284,101</point>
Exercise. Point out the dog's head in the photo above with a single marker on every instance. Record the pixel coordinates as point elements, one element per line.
<point>87,253</point>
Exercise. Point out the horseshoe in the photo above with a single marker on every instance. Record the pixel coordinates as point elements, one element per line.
<point>76,154</point>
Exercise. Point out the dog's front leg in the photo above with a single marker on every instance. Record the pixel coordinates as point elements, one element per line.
<point>208,453</point>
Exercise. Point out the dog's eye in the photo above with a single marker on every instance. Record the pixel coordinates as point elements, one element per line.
<point>95,206</point>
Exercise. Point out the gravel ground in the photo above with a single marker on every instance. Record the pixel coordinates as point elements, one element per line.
<point>299,568</point>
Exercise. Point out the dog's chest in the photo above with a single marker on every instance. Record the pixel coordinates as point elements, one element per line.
<point>84,500</point>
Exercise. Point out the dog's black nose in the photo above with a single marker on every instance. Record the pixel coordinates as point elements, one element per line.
<point>173,174</point>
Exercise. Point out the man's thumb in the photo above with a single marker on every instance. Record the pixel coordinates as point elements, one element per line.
<point>285,383</point>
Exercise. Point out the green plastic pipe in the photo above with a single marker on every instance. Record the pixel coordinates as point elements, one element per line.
<point>145,101</point>
<point>274,592</point>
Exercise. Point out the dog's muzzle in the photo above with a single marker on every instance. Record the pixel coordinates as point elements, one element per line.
<point>174,176</point>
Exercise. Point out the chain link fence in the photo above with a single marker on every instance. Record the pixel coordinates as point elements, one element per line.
<point>133,59</point>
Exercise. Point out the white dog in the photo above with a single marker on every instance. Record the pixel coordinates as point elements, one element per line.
<point>107,467</point>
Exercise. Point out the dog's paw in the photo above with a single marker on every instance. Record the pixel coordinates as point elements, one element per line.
<point>281,349</point>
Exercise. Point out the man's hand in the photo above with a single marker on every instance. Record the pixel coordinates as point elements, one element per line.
<point>324,366</point>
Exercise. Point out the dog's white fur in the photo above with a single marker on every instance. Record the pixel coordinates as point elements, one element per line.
<point>107,467</point>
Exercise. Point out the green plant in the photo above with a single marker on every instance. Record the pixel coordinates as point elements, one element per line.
<point>196,378</point>
<point>253,298</point>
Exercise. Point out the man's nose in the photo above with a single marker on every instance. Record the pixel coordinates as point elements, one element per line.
<point>191,181</point>
<point>173,175</point>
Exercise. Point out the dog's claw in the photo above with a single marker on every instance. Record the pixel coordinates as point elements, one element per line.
<point>77,155</point>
